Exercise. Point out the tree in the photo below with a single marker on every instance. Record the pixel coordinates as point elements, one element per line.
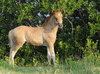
<point>81,27</point>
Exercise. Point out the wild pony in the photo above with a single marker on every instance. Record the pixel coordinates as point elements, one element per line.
<point>38,36</point>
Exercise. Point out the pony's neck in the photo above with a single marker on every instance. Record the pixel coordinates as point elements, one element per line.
<point>50,25</point>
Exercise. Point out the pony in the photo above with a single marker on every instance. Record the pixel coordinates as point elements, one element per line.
<point>44,35</point>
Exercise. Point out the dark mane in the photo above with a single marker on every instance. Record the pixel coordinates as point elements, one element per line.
<point>46,21</point>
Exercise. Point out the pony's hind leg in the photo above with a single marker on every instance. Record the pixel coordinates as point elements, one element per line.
<point>13,51</point>
<point>15,44</point>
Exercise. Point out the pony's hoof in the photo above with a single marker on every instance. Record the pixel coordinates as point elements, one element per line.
<point>49,64</point>
<point>55,65</point>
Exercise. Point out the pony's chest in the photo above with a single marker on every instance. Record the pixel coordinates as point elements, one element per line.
<point>50,38</point>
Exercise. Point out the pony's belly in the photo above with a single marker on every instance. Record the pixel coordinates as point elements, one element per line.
<point>36,42</point>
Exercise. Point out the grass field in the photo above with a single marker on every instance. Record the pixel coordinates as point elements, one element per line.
<point>73,67</point>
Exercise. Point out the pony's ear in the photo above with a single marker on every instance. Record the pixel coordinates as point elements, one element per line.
<point>61,10</point>
<point>53,11</point>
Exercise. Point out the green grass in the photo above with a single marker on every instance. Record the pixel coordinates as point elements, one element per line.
<point>73,67</point>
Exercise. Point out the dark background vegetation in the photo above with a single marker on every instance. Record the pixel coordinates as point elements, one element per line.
<point>79,39</point>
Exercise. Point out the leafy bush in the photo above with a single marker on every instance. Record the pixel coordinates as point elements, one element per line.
<point>79,38</point>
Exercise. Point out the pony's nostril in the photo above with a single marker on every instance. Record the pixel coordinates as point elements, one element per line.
<point>60,25</point>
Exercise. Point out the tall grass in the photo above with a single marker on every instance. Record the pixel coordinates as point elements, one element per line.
<point>72,67</point>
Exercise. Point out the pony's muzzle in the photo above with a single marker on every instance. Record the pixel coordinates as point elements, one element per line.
<point>60,25</point>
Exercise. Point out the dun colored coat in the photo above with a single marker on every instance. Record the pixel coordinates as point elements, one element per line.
<point>38,36</point>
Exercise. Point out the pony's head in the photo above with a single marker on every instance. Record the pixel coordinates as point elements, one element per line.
<point>58,18</point>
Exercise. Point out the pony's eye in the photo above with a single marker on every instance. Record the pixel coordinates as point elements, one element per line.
<point>58,14</point>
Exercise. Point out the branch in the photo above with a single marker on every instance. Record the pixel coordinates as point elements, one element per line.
<point>71,25</point>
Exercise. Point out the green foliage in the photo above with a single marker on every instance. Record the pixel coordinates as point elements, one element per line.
<point>80,36</point>
<point>25,11</point>
<point>57,58</point>
<point>35,62</point>
<point>90,47</point>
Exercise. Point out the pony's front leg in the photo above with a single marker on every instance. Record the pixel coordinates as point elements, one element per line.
<point>52,53</point>
<point>49,56</point>
<point>53,57</point>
